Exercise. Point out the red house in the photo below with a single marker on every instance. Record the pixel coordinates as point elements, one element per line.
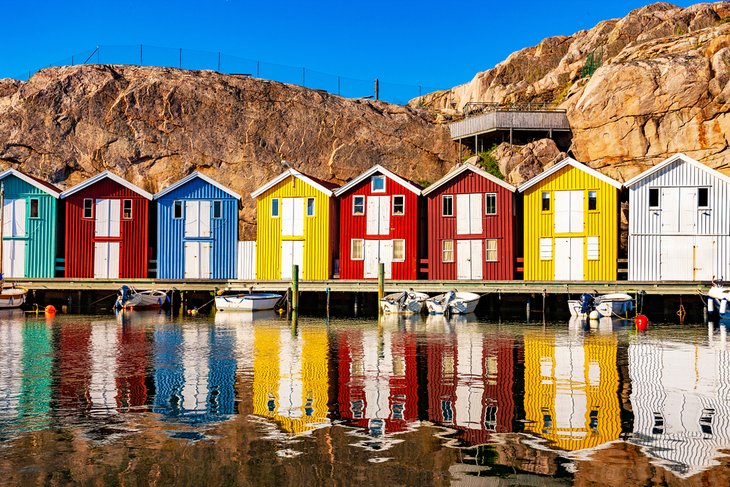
<point>107,229</point>
<point>470,226</point>
<point>379,222</point>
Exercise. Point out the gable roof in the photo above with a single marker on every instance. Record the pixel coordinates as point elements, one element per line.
<point>318,184</point>
<point>462,169</point>
<point>105,175</point>
<point>568,161</point>
<point>196,175</point>
<point>33,181</point>
<point>676,157</point>
<point>378,169</point>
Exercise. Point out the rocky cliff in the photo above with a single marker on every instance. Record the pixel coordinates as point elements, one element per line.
<point>636,89</point>
<point>155,125</point>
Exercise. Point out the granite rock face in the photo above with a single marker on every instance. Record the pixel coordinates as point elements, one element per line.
<point>155,125</point>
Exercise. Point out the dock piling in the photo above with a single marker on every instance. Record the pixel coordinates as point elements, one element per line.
<point>381,283</point>
<point>295,288</point>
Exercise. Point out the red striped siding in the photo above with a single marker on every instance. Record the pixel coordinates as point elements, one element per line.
<point>133,234</point>
<point>499,226</point>
<point>401,227</point>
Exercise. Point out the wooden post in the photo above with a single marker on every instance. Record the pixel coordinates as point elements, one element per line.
<point>377,89</point>
<point>381,284</point>
<point>182,303</point>
<point>295,289</point>
<point>327,294</point>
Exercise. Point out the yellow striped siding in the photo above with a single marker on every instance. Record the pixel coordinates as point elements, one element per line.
<point>317,247</point>
<point>544,395</point>
<point>601,223</point>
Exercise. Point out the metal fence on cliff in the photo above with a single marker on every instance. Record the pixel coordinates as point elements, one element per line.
<point>145,55</point>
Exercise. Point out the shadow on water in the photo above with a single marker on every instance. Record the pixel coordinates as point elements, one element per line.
<point>241,398</point>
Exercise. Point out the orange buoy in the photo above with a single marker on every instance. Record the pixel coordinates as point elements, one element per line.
<point>642,322</point>
<point>50,309</point>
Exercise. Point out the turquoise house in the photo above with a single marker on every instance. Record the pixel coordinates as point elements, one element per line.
<point>29,225</point>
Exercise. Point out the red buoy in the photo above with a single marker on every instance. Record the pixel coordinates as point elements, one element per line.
<point>642,322</point>
<point>50,310</point>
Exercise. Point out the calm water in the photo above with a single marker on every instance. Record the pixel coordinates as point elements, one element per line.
<point>143,399</point>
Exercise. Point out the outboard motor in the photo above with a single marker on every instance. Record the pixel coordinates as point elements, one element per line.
<point>123,294</point>
<point>586,303</point>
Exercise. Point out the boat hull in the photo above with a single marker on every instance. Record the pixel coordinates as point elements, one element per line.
<point>608,305</point>
<point>247,302</point>
<point>462,303</point>
<point>12,297</point>
<point>413,303</point>
<point>145,300</point>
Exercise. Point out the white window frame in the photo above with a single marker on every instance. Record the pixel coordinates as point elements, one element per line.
<point>549,200</point>
<point>37,207</point>
<point>486,199</point>
<point>219,204</point>
<point>277,203</point>
<point>659,198</point>
<point>354,204</point>
<point>708,197</point>
<point>443,199</point>
<point>588,199</point>
<point>403,197</point>
<point>403,244</point>
<point>131,209</point>
<point>361,243</point>
<point>90,202</point>
<point>175,205</point>
<point>314,205</point>
<point>487,250</point>
<point>377,177</point>
<point>546,249</point>
<point>444,250</point>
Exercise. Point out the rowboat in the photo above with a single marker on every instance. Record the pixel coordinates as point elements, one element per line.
<point>130,298</point>
<point>617,305</point>
<point>12,297</point>
<point>717,300</point>
<point>406,302</point>
<point>454,302</point>
<point>247,302</point>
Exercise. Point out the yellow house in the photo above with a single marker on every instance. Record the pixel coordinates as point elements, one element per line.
<point>570,224</point>
<point>570,390</point>
<point>297,220</point>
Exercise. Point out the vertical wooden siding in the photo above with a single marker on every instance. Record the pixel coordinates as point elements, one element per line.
<point>499,226</point>
<point>602,223</point>
<point>133,234</point>
<point>317,259</point>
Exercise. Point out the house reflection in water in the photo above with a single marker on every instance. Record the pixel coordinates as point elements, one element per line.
<point>291,377</point>
<point>681,401</point>
<point>571,384</point>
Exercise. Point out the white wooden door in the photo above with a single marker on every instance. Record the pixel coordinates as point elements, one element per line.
<point>292,217</point>
<point>106,260</point>
<point>676,258</point>
<point>469,213</point>
<point>197,260</point>
<point>386,257</point>
<point>469,259</point>
<point>204,218</point>
<point>14,258</point>
<point>669,202</point>
<point>107,218</point>
<point>705,252</point>
<point>292,253</point>
<point>377,215</point>
<point>687,210</point>
<point>14,218</point>
<point>375,252</point>
<point>568,259</point>
<point>476,259</point>
<point>475,213</point>
<point>569,212</point>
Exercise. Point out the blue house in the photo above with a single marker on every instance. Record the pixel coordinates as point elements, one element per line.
<point>197,230</point>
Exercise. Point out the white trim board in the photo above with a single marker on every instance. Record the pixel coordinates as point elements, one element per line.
<point>676,157</point>
<point>568,161</point>
<point>192,176</point>
<point>29,180</point>
<point>293,173</point>
<point>463,168</point>
<point>373,170</point>
<point>105,175</point>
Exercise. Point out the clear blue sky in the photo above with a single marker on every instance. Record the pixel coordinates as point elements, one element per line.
<point>436,44</point>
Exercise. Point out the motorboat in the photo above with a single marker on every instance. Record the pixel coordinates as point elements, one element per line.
<point>615,305</point>
<point>453,302</point>
<point>12,297</point>
<point>130,298</point>
<point>406,302</point>
<point>717,301</point>
<point>247,302</point>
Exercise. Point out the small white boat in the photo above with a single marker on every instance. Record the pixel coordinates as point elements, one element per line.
<point>130,298</point>
<point>12,297</point>
<point>717,300</point>
<point>406,302</point>
<point>247,302</point>
<point>456,302</point>
<point>616,305</point>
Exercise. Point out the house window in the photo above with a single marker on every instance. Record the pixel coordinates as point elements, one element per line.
<point>356,249</point>
<point>592,252</point>
<point>218,209</point>
<point>377,184</point>
<point>653,197</point>
<point>491,203</point>
<point>127,209</point>
<point>358,205</point>
<point>703,197</point>
<point>399,205</point>
<point>88,208</point>
<point>546,201</point>
<point>177,210</point>
<point>546,249</point>
<point>310,206</point>
<point>447,251</point>
<point>491,250</point>
<point>447,205</point>
<point>592,200</point>
<point>34,208</point>
<point>275,207</point>
<point>399,250</point>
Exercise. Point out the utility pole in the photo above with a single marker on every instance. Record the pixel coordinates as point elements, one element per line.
<point>377,89</point>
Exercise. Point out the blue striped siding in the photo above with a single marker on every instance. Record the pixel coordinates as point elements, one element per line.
<point>171,239</point>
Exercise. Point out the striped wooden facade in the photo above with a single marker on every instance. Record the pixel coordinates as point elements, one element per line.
<point>677,236</point>
<point>29,225</point>
<point>481,248</point>
<point>200,241</point>
<point>567,240</point>
<point>291,232</point>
